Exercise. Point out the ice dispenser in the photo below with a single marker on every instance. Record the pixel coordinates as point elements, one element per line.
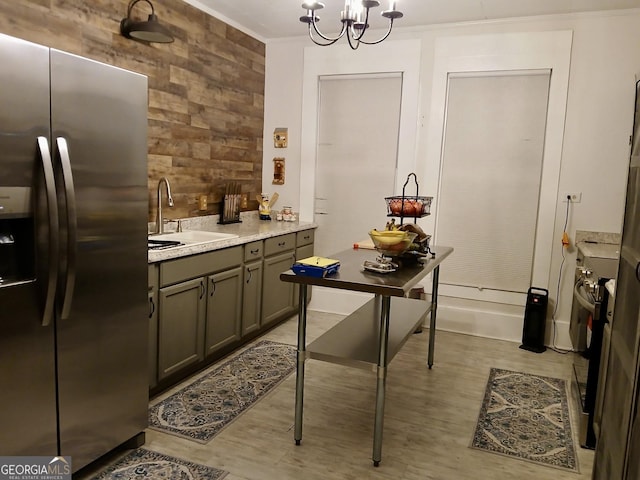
<point>16,235</point>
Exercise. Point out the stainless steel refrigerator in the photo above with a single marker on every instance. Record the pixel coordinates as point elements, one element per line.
<point>73,254</point>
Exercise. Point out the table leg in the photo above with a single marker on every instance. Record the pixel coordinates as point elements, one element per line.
<point>302,333</point>
<point>381,377</point>
<point>434,309</point>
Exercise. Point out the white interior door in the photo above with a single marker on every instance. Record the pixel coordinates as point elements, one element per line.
<point>357,151</point>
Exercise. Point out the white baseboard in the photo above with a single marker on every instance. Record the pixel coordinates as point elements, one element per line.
<point>482,319</point>
<point>501,326</point>
<point>490,324</point>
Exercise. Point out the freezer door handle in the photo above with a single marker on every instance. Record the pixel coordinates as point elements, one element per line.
<point>54,231</point>
<point>72,226</point>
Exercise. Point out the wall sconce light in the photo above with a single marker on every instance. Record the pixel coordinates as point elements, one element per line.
<point>149,31</point>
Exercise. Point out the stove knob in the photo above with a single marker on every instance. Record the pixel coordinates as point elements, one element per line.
<point>584,272</point>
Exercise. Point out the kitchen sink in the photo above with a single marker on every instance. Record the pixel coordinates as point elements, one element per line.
<point>188,237</point>
<point>162,244</point>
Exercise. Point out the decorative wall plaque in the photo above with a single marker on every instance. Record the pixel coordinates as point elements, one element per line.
<point>278,171</point>
<point>280,136</point>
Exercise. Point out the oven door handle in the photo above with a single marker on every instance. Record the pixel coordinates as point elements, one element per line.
<point>584,303</point>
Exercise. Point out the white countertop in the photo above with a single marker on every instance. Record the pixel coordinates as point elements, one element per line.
<point>249,230</point>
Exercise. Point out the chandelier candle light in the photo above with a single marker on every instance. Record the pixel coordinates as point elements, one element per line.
<point>354,18</point>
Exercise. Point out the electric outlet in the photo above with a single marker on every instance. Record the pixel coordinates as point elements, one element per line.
<point>575,197</point>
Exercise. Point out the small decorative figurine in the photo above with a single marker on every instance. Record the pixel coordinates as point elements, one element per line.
<point>265,205</point>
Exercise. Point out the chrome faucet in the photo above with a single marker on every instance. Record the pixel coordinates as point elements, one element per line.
<point>159,221</point>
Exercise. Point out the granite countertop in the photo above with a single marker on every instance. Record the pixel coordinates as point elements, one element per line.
<point>249,230</point>
<point>599,250</point>
<point>598,244</point>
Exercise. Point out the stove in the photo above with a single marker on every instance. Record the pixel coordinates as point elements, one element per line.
<point>595,266</point>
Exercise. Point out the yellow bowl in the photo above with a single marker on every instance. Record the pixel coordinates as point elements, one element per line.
<point>392,242</point>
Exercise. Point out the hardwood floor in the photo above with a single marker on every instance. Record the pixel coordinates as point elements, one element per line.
<point>430,416</point>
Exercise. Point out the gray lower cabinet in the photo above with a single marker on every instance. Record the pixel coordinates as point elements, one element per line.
<point>153,326</point>
<point>302,252</point>
<point>200,304</point>
<point>304,249</point>
<point>199,308</point>
<point>224,309</point>
<point>252,287</point>
<point>252,297</point>
<point>304,238</point>
<point>277,296</point>
<point>181,326</point>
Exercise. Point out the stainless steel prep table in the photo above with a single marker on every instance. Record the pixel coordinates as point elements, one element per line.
<point>372,335</point>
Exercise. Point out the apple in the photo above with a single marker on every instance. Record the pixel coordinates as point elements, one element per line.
<point>395,205</point>
<point>408,208</point>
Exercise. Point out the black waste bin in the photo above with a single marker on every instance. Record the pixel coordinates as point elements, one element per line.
<point>535,318</point>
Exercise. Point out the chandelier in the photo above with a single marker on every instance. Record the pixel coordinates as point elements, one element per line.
<point>354,18</point>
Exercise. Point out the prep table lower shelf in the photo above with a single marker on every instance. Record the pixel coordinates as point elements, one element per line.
<point>354,340</point>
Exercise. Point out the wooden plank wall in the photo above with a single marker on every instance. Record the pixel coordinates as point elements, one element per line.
<point>206,90</point>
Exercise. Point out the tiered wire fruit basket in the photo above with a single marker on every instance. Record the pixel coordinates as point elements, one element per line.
<point>403,243</point>
<point>408,206</point>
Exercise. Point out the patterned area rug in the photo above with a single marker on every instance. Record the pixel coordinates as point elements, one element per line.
<point>143,463</point>
<point>527,417</point>
<point>200,410</point>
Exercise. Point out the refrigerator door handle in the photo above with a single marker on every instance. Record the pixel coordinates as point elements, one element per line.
<point>72,226</point>
<point>54,231</point>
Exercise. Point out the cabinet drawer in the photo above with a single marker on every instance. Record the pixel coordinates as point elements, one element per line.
<point>253,251</point>
<point>304,238</point>
<point>180,269</point>
<point>279,244</point>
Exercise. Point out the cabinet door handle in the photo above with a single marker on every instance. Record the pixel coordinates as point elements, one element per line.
<point>282,244</point>
<point>638,271</point>
<point>250,273</point>
<point>202,289</point>
<point>213,287</point>
<point>152,307</point>
<point>254,252</point>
